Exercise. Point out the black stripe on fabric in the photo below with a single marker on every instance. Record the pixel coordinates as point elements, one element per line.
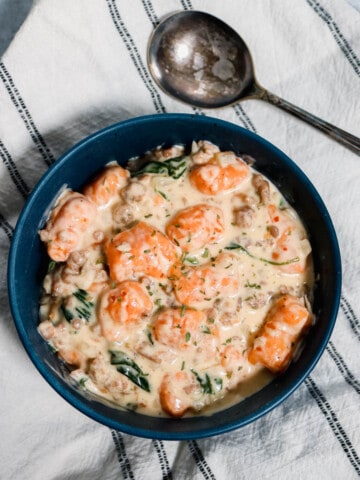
<point>350,315</point>
<point>244,118</point>
<point>13,171</point>
<point>149,9</point>
<point>6,227</point>
<point>164,463</point>
<point>334,424</point>
<point>338,36</point>
<point>134,55</point>
<point>122,456</point>
<point>197,111</point>
<point>200,460</point>
<point>24,113</point>
<point>343,368</point>
<point>186,4</point>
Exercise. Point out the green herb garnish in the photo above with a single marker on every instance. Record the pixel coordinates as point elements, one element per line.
<point>192,260</point>
<point>51,266</point>
<point>257,286</point>
<point>162,194</point>
<point>150,338</point>
<point>205,329</point>
<point>82,382</point>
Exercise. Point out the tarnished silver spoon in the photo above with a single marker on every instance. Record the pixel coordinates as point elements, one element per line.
<point>200,60</point>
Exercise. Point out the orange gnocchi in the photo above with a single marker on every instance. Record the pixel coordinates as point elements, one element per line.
<point>219,174</point>
<point>284,324</point>
<point>196,226</point>
<point>68,222</point>
<point>140,250</point>
<point>196,286</point>
<point>107,185</point>
<point>123,307</point>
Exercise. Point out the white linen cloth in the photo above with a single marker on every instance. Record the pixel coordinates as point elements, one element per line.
<point>76,66</point>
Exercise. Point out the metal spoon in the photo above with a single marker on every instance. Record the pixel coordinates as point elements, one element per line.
<point>200,60</point>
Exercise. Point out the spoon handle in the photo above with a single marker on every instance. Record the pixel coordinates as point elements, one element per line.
<point>344,138</point>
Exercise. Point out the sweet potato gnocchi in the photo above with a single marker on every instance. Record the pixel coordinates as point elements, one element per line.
<point>178,285</point>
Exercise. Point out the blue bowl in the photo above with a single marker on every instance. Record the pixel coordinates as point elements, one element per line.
<point>28,263</point>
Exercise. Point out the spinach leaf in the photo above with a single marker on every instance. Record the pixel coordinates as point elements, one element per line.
<point>67,314</point>
<point>83,309</point>
<point>131,370</point>
<point>205,382</point>
<point>174,167</point>
<point>83,297</point>
<point>237,246</point>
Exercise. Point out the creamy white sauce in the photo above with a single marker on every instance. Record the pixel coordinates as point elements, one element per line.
<point>74,309</point>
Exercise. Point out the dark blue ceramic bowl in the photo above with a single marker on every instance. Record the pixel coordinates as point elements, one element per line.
<point>27,263</point>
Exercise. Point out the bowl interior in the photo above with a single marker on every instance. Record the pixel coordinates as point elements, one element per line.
<point>28,262</point>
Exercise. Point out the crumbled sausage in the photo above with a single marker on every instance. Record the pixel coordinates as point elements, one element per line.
<point>258,300</point>
<point>98,236</point>
<point>244,216</point>
<point>262,188</point>
<point>273,230</point>
<point>123,215</point>
<point>205,150</point>
<point>101,276</point>
<point>134,192</point>
<point>74,263</point>
<point>57,288</point>
<point>77,259</point>
<point>170,152</point>
<point>46,330</point>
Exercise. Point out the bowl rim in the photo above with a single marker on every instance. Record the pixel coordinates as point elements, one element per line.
<point>67,393</point>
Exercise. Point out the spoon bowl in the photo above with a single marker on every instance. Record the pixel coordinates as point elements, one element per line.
<point>200,60</point>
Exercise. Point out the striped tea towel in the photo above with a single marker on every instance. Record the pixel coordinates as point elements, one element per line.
<point>76,66</point>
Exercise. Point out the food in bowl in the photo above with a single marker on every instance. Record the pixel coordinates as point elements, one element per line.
<point>173,282</point>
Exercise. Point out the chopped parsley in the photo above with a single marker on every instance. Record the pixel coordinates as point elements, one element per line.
<point>51,266</point>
